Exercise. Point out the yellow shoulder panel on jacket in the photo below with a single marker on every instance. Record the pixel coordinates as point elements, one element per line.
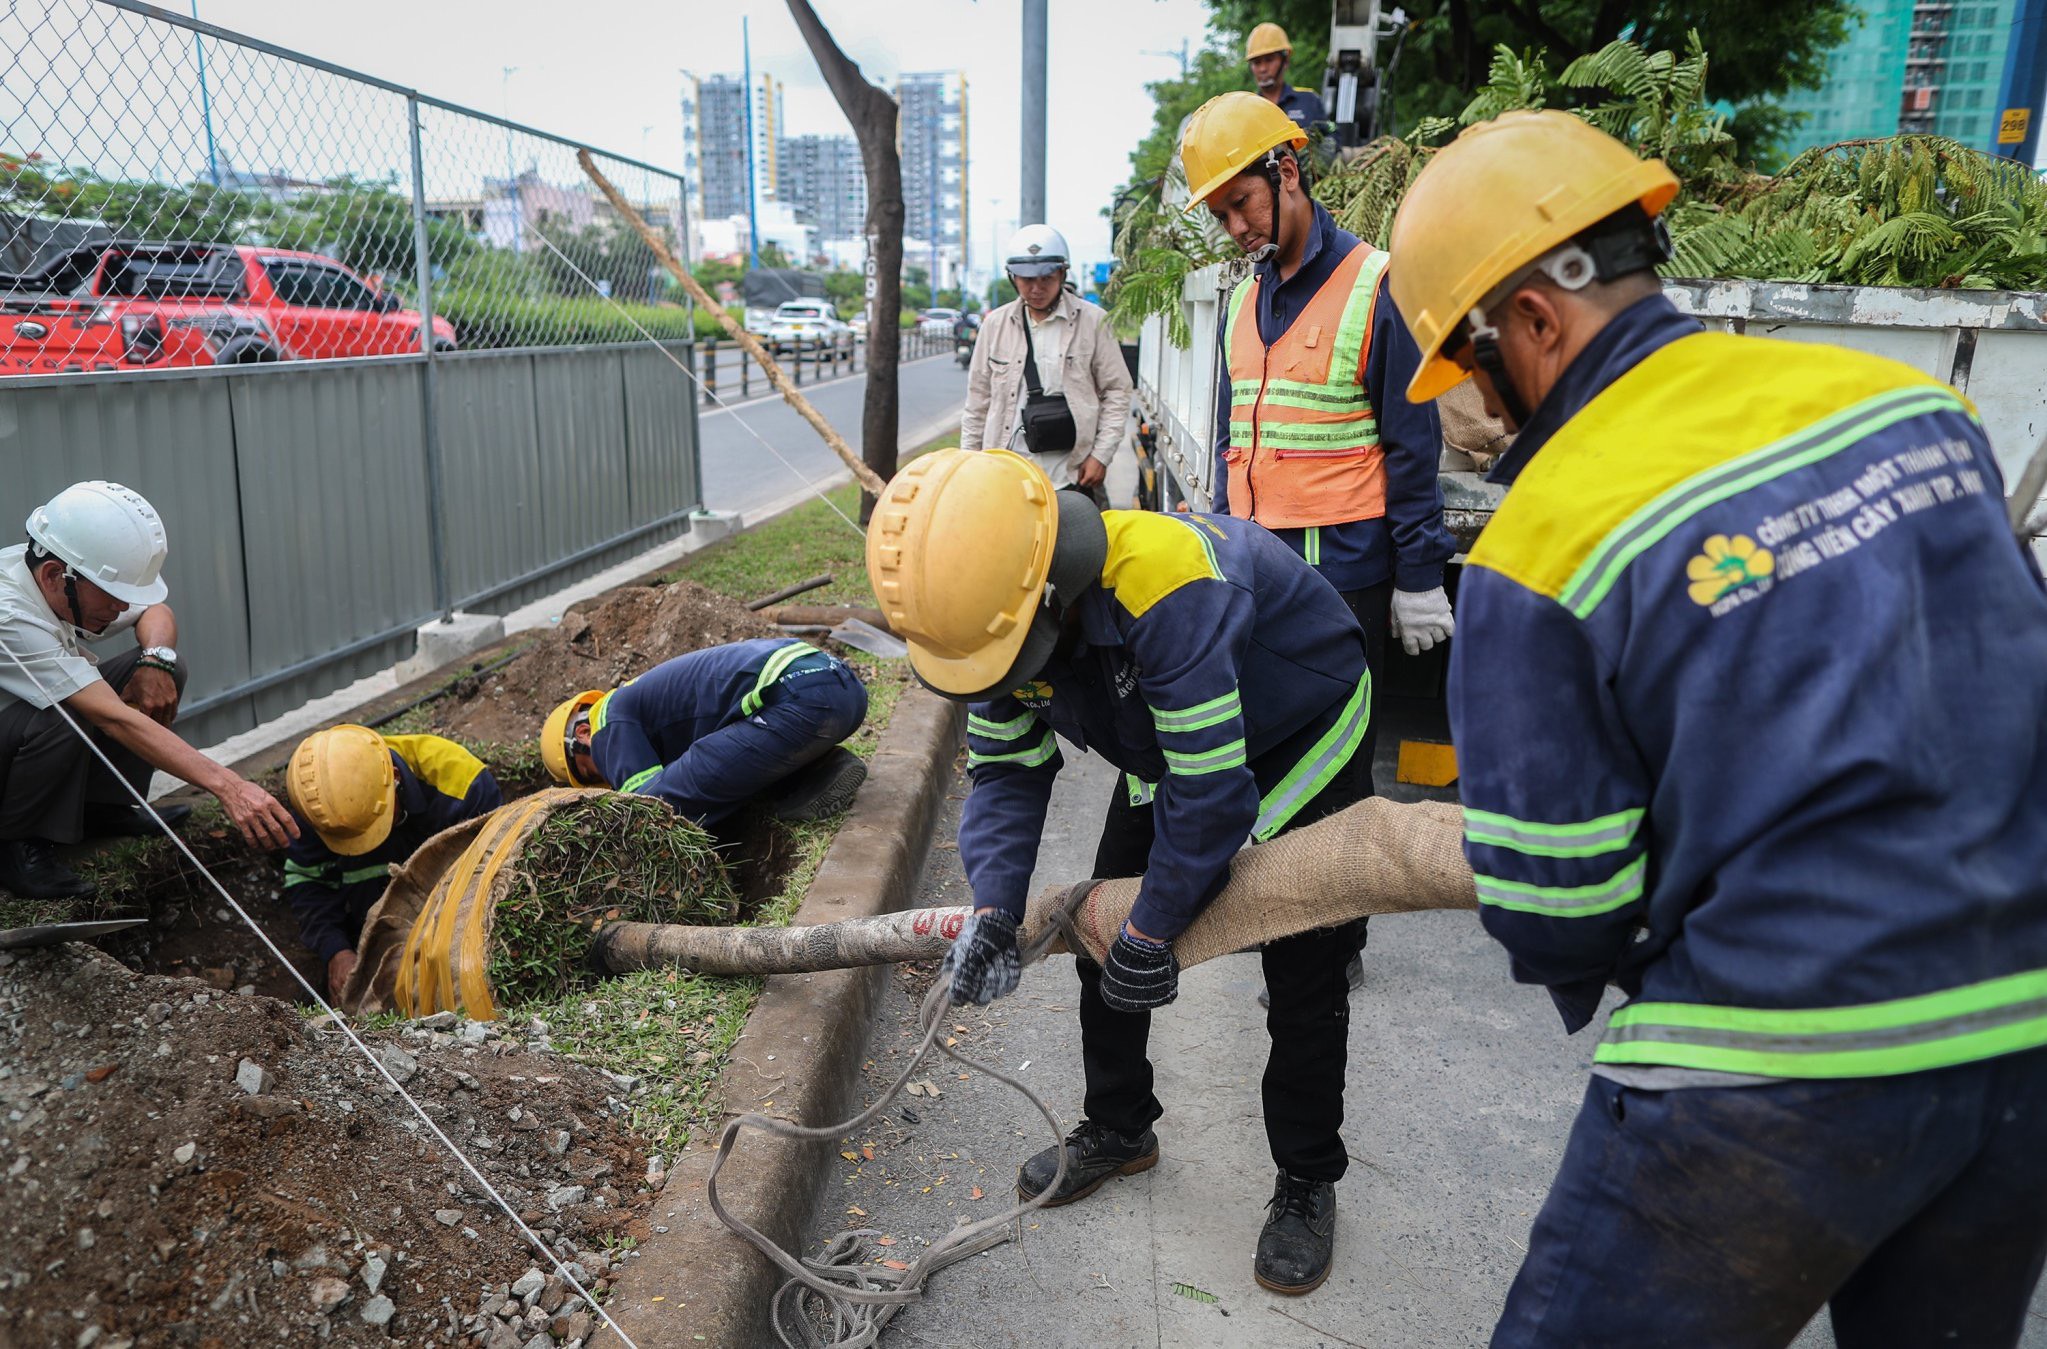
<point>441,764</point>
<point>1687,410</point>
<point>1151,555</point>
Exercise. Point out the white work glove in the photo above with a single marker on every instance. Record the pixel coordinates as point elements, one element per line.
<point>1421,618</point>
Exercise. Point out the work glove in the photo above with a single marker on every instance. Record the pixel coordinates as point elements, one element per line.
<point>1421,618</point>
<point>1139,974</point>
<point>983,964</point>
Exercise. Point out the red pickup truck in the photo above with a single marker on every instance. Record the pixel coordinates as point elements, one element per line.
<point>130,306</point>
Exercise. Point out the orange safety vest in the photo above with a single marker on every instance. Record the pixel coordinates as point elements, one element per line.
<point>1304,442</point>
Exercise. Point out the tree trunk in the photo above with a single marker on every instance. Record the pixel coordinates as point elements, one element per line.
<point>873,113</point>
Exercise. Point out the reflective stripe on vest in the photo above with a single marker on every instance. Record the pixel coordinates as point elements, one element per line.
<point>1874,1039</point>
<point>777,666</point>
<point>1304,440</point>
<point>333,874</point>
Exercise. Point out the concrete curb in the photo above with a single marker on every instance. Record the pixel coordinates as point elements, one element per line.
<point>798,1059</point>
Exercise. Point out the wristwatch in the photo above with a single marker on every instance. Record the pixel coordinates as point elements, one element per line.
<point>164,656</point>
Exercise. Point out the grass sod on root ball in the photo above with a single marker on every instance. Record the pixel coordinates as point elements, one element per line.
<point>613,858</point>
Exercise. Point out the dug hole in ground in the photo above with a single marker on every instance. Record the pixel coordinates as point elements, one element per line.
<point>190,1158</point>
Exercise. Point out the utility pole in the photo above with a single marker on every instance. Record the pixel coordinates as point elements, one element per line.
<point>205,102</point>
<point>2024,82</point>
<point>511,170</point>
<point>1031,195</point>
<point>753,215</point>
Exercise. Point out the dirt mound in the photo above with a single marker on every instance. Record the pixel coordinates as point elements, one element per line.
<point>598,647</point>
<point>150,1194</point>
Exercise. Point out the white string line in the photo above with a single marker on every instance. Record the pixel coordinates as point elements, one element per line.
<point>659,346</point>
<point>339,1020</point>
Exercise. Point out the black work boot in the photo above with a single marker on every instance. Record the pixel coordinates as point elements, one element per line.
<point>821,788</point>
<point>1093,1155</point>
<point>29,869</point>
<point>1299,1239</point>
<point>110,821</point>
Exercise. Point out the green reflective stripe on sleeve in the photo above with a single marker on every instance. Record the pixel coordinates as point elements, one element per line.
<point>1619,890</point>
<point>1311,546</point>
<point>1039,753</point>
<point>333,874</point>
<point>1355,327</point>
<point>640,779</point>
<point>1216,760</point>
<point>598,711</point>
<point>1141,792</point>
<point>1603,567</point>
<point>1201,715</point>
<point>1318,765</point>
<point>777,665</point>
<point>1014,729</point>
<point>1905,1035</point>
<point>1587,838</point>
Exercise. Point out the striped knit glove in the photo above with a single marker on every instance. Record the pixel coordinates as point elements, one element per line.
<point>1139,975</point>
<point>983,963</point>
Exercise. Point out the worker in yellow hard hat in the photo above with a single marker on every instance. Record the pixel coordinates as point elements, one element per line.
<point>1269,51</point>
<point>1750,702</point>
<point>710,730</point>
<point>1228,682</point>
<point>363,802</point>
<point>1314,438</point>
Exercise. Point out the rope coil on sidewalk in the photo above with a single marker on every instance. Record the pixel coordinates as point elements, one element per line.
<point>855,1301</point>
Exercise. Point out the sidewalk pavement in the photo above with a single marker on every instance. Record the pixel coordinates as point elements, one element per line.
<point>1462,1089</point>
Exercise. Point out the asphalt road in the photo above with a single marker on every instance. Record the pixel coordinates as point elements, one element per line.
<point>743,474</point>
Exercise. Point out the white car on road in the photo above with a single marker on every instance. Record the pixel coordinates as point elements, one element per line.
<point>808,325</point>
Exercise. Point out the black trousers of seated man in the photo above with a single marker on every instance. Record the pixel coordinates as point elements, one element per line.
<point>48,775</point>
<point>1309,1020</point>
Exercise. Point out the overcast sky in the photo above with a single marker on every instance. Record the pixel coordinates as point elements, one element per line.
<point>603,71</point>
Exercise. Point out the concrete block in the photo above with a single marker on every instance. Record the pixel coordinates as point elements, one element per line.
<point>707,527</point>
<point>445,643</point>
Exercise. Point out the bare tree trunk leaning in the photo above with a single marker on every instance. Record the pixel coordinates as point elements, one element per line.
<point>780,381</point>
<point>873,113</point>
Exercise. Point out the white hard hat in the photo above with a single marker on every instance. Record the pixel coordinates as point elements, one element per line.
<point>1036,250</point>
<point>109,535</point>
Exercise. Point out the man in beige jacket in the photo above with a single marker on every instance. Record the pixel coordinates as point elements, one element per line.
<point>1076,356</point>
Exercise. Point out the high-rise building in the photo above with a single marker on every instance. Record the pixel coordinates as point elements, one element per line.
<point>821,177</point>
<point>721,141</point>
<point>1911,65</point>
<point>933,134</point>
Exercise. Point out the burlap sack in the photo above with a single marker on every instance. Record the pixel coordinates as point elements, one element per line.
<point>1468,429</point>
<point>1377,856</point>
<point>425,945</point>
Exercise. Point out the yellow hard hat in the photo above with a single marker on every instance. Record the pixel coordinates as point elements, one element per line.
<point>958,553</point>
<point>1227,135</point>
<point>1491,202</point>
<point>1266,39</point>
<point>342,781</point>
<point>554,737</point>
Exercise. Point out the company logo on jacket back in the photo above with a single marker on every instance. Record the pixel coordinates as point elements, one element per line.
<point>1729,570</point>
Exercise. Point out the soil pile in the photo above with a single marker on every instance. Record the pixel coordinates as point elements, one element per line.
<point>190,1167</point>
<point>599,646</point>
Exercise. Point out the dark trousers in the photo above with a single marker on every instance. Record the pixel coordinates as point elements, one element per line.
<point>1915,1207</point>
<point>48,775</point>
<point>1373,609</point>
<point>1309,1020</point>
<point>803,716</point>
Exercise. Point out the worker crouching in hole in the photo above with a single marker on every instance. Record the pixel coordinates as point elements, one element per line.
<point>366,801</point>
<point>709,731</point>
<point>1228,680</point>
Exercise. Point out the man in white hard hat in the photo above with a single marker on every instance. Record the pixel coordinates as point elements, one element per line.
<point>1048,378</point>
<point>92,567</point>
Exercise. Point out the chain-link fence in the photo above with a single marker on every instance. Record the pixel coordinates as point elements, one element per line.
<point>172,195</point>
